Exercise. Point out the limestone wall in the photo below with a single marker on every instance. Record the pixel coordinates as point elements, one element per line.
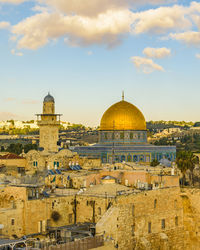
<point>13,162</point>
<point>92,208</point>
<point>140,218</point>
<point>191,209</point>
<point>160,219</point>
<point>11,219</point>
<point>38,213</point>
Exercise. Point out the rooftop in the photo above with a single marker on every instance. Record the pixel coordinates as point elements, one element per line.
<point>110,189</point>
<point>10,156</point>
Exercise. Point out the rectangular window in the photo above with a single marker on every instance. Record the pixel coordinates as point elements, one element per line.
<point>133,210</point>
<point>12,222</point>
<point>70,218</point>
<point>39,226</point>
<point>149,227</point>
<point>155,203</point>
<point>133,229</point>
<point>176,221</point>
<point>163,224</point>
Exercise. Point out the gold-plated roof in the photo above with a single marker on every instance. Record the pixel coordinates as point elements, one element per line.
<point>123,116</point>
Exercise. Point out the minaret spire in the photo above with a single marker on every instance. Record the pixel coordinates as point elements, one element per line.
<point>123,95</point>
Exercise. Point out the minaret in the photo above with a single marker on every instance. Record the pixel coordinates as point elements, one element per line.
<point>48,123</point>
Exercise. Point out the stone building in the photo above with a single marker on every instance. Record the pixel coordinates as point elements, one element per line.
<point>41,160</point>
<point>166,218</point>
<point>24,210</point>
<point>12,162</point>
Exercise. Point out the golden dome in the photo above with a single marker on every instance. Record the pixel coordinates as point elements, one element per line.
<point>123,116</point>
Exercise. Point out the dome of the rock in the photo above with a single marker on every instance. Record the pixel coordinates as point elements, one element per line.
<point>123,116</point>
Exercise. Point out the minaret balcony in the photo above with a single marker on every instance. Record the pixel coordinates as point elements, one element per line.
<point>43,123</point>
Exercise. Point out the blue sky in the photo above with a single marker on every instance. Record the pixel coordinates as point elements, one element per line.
<point>86,54</point>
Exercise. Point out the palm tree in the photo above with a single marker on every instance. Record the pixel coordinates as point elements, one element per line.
<point>193,159</point>
<point>186,160</point>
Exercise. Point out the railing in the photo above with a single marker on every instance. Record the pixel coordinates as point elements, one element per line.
<point>84,244</point>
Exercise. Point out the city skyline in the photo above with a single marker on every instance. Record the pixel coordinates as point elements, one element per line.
<point>85,55</point>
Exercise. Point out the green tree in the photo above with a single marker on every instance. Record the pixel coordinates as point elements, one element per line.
<point>15,148</point>
<point>29,147</point>
<point>186,160</point>
<point>154,163</point>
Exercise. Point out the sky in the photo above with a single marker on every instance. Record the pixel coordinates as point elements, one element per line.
<point>86,52</point>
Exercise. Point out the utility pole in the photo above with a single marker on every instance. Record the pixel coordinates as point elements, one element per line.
<point>113,144</point>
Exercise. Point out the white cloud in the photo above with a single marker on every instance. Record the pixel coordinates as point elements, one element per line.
<point>161,20</point>
<point>4,25</point>
<point>105,22</point>
<point>90,53</point>
<point>95,7</point>
<point>198,56</point>
<point>145,64</point>
<point>29,101</point>
<point>8,115</point>
<point>189,37</point>
<point>13,38</point>
<point>105,29</point>
<point>39,8</point>
<point>15,53</point>
<point>156,52</point>
<point>10,99</point>
<point>13,1</point>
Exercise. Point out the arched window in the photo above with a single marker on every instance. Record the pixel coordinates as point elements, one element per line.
<point>99,211</point>
<point>12,202</point>
<point>123,158</point>
<point>163,224</point>
<point>129,158</point>
<point>135,158</point>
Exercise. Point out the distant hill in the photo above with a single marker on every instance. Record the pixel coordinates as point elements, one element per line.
<point>160,125</point>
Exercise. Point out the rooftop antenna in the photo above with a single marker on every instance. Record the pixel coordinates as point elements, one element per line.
<point>123,95</point>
